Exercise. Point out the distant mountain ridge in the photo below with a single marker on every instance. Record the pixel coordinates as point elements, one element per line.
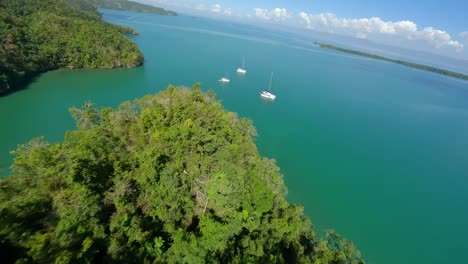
<point>134,6</point>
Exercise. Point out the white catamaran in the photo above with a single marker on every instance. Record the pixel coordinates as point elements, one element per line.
<point>242,70</point>
<point>266,93</point>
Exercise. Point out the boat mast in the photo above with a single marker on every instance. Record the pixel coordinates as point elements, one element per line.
<point>269,87</point>
<point>243,62</point>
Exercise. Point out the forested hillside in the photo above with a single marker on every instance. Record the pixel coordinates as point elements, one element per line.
<point>134,7</point>
<point>168,178</point>
<point>41,35</point>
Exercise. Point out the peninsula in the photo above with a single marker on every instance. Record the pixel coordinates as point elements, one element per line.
<point>405,63</point>
<point>134,7</point>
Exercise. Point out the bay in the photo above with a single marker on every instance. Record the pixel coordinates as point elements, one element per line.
<point>374,150</point>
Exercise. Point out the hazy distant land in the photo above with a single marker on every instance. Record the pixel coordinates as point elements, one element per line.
<point>134,7</point>
<point>405,63</point>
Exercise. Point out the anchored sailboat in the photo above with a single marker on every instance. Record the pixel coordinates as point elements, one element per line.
<point>242,70</point>
<point>266,93</point>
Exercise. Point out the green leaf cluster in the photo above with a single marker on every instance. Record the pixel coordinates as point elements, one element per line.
<point>170,178</point>
<point>41,35</point>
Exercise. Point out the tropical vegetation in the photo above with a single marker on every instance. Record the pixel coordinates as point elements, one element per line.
<point>168,178</point>
<point>42,35</point>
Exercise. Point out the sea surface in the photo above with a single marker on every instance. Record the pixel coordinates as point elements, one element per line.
<point>375,150</point>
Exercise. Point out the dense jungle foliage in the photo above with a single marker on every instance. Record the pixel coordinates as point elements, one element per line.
<point>168,178</point>
<point>41,35</point>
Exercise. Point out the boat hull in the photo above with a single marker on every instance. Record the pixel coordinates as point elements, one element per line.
<point>241,71</point>
<point>268,95</point>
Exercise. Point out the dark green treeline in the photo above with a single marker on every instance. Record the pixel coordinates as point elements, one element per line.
<point>168,178</point>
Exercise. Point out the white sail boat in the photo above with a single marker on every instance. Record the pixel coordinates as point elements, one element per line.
<point>242,70</point>
<point>266,93</point>
<point>225,79</point>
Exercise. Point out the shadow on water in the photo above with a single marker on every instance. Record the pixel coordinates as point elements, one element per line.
<point>31,78</point>
<point>21,85</point>
<point>241,76</point>
<point>265,101</point>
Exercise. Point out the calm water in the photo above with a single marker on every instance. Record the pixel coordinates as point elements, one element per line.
<point>377,151</point>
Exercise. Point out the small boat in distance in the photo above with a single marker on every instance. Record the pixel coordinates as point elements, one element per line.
<point>224,79</point>
<point>266,93</point>
<point>242,70</point>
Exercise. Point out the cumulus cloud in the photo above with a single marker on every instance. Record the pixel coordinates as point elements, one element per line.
<point>216,8</point>
<point>275,14</point>
<point>279,13</point>
<point>363,27</point>
<point>464,35</point>
<point>261,13</point>
<point>305,18</point>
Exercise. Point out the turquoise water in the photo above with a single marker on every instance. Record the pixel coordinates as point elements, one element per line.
<point>377,151</point>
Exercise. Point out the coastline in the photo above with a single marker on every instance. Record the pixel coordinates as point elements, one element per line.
<point>401,62</point>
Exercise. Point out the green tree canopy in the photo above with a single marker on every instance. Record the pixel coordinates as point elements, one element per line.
<point>169,178</point>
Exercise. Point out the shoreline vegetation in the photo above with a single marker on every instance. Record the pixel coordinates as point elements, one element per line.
<point>132,6</point>
<point>401,62</point>
<point>37,36</point>
<point>167,178</point>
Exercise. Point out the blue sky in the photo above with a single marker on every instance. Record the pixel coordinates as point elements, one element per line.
<point>432,25</point>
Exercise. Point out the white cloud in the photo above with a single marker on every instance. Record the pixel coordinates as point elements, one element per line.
<point>280,13</point>
<point>305,18</point>
<point>464,35</point>
<point>275,14</point>
<point>200,7</point>
<point>228,11</point>
<point>363,27</point>
<point>262,13</point>
<point>438,38</point>
<point>216,8</point>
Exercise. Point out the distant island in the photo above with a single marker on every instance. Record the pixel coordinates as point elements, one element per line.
<point>41,35</point>
<point>405,63</point>
<point>134,7</point>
